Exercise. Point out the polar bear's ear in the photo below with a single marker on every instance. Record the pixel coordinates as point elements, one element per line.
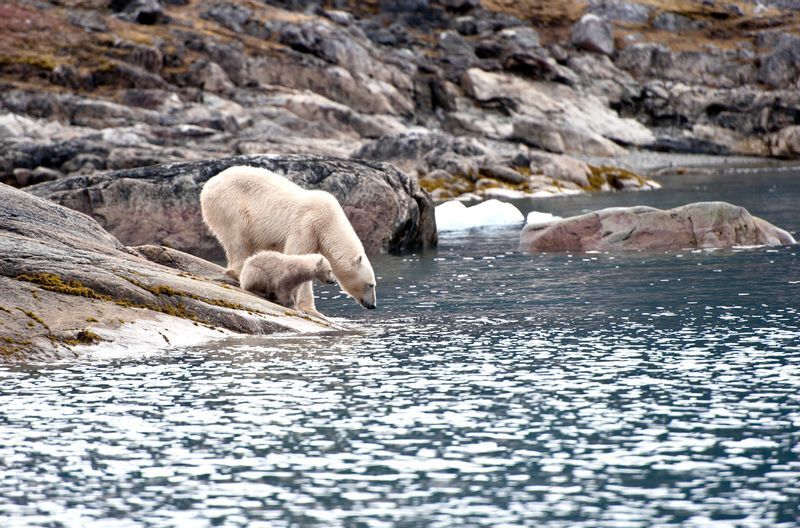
<point>321,262</point>
<point>358,260</point>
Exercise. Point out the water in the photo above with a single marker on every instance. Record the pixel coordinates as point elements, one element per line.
<point>489,389</point>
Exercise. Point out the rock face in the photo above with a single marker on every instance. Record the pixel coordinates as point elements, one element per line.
<point>66,283</point>
<point>593,33</point>
<point>160,204</point>
<point>698,225</point>
<point>782,66</point>
<point>87,88</point>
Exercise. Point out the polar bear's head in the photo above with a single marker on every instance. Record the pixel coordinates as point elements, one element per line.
<point>358,280</point>
<point>323,271</point>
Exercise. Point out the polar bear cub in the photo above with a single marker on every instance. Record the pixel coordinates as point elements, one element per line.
<point>278,277</point>
<point>250,209</point>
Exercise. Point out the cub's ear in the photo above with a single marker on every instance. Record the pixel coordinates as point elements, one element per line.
<point>321,262</point>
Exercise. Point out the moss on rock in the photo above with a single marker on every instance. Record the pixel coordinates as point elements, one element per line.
<point>612,176</point>
<point>83,337</point>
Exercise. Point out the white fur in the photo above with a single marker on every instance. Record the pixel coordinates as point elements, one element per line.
<point>278,277</point>
<point>250,209</point>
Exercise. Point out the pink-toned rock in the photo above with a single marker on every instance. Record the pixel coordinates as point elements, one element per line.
<point>697,225</point>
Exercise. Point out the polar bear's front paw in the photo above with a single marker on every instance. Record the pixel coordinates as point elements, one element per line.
<point>314,313</point>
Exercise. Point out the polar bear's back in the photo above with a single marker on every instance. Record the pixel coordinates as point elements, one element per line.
<point>251,207</point>
<point>247,181</point>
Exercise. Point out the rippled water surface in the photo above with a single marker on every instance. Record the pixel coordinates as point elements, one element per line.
<point>490,388</point>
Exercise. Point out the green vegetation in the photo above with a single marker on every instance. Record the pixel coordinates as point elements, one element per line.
<point>45,62</point>
<point>613,176</point>
<point>10,346</point>
<point>83,337</point>
<point>34,317</point>
<point>51,282</point>
<point>169,291</point>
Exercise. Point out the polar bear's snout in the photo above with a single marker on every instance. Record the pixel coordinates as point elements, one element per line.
<point>369,300</point>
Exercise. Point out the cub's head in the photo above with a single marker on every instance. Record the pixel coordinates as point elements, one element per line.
<point>358,280</point>
<point>323,271</point>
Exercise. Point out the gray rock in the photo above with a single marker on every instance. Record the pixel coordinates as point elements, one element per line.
<point>388,210</point>
<point>456,50</point>
<point>43,174</point>
<point>343,18</point>
<point>523,37</point>
<point>90,20</point>
<point>139,11</point>
<point>598,75</point>
<point>620,11</point>
<point>65,283</point>
<point>786,143</point>
<point>231,16</point>
<point>561,168</point>
<point>781,68</point>
<point>460,5</point>
<point>212,78</point>
<point>232,58</point>
<point>402,6</point>
<point>697,225</point>
<point>642,58</point>
<point>426,152</point>
<point>406,150</point>
<point>126,75</point>
<point>466,25</point>
<point>675,22</point>
<point>746,111</point>
<point>555,106</point>
<point>593,33</point>
<point>22,177</point>
<point>502,173</point>
<point>561,138</point>
<point>710,67</point>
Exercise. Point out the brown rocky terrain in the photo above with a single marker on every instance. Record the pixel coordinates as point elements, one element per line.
<point>493,97</point>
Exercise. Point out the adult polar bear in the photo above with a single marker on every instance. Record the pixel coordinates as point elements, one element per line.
<point>250,209</point>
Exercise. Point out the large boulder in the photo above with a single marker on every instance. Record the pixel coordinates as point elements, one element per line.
<point>697,225</point>
<point>621,11</point>
<point>66,283</point>
<point>781,67</point>
<point>160,204</point>
<point>785,143</point>
<point>561,107</point>
<point>593,33</point>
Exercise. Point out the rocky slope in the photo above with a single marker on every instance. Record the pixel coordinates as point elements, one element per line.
<point>493,97</point>
<point>66,284</point>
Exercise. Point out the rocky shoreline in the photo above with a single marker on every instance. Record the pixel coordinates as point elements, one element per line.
<point>490,98</point>
<point>115,111</point>
<point>68,285</point>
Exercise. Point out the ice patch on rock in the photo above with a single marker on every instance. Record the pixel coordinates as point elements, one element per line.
<point>454,215</point>
<point>539,218</point>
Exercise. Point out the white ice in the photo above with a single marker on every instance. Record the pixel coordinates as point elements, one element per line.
<point>538,218</point>
<point>454,215</point>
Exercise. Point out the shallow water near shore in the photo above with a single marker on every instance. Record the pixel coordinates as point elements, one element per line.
<point>490,388</point>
